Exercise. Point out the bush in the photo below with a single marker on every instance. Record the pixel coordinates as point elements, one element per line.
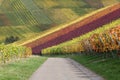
<point>11,39</point>
<point>13,52</point>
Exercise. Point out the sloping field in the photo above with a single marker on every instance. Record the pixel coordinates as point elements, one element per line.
<point>76,29</point>
<point>44,14</point>
<point>4,20</point>
<point>19,31</point>
<point>74,46</point>
<point>1,2</point>
<point>44,11</point>
<point>109,2</point>
<point>38,15</point>
<point>51,30</point>
<point>95,3</point>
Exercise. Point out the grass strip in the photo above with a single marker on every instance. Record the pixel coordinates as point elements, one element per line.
<point>107,68</point>
<point>21,69</point>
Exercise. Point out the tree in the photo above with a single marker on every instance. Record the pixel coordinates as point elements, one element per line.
<point>11,39</point>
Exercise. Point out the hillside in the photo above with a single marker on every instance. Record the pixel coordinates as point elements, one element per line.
<point>77,39</point>
<point>75,45</point>
<point>75,28</point>
<point>28,18</point>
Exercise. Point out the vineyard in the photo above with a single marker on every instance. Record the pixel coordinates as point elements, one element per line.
<point>102,41</point>
<point>87,31</point>
<point>26,19</point>
<point>76,28</point>
<point>12,53</point>
<point>33,17</point>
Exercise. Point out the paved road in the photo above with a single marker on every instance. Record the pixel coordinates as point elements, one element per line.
<point>63,69</point>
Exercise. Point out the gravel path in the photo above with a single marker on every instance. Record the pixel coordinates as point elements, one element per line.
<point>63,69</point>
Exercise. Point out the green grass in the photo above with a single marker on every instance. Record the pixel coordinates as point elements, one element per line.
<point>21,69</point>
<point>108,68</point>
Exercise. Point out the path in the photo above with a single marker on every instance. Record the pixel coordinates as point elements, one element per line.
<point>63,69</point>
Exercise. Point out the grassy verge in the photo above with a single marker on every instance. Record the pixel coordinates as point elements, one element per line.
<point>108,68</point>
<point>20,70</point>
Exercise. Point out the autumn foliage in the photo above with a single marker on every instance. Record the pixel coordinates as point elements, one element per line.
<point>76,29</point>
<point>107,42</point>
<point>13,52</point>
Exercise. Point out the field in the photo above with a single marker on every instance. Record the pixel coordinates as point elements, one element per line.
<point>76,45</point>
<point>21,13</point>
<point>87,31</point>
<point>75,28</point>
<point>31,19</point>
<point>20,31</point>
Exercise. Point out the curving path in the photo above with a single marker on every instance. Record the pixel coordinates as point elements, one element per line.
<point>63,69</point>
